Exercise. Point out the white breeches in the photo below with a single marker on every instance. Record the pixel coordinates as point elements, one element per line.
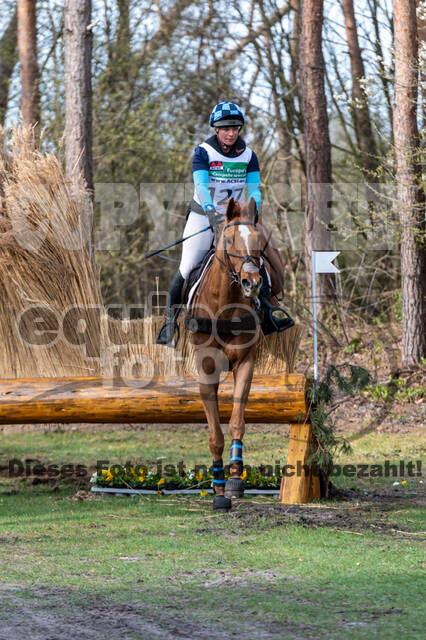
<point>194,249</point>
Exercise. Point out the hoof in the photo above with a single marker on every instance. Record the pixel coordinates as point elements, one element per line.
<point>220,502</point>
<point>234,488</point>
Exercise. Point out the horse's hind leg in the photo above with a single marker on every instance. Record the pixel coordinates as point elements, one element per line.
<point>243,375</point>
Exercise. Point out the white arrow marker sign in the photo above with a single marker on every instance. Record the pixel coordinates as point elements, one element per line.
<point>321,263</point>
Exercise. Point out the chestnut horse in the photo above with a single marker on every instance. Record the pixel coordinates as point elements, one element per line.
<point>225,320</point>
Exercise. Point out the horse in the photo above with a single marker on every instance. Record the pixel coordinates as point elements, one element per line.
<point>228,337</point>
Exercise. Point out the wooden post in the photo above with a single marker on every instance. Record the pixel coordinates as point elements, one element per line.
<point>299,485</point>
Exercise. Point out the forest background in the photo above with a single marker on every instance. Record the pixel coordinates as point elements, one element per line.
<point>333,92</point>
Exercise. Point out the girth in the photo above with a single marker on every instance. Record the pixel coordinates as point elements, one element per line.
<point>247,323</point>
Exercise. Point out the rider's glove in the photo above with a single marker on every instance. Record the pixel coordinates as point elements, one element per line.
<point>213,217</point>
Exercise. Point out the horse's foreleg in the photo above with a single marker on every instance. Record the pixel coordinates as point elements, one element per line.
<point>208,394</point>
<point>243,375</point>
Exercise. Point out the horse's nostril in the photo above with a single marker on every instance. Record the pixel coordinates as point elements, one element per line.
<point>245,283</point>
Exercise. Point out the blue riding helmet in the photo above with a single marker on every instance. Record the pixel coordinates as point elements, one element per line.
<point>226,114</point>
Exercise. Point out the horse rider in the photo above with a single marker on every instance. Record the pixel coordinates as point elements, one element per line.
<point>223,166</point>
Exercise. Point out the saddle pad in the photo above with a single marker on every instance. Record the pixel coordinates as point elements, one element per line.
<point>201,273</point>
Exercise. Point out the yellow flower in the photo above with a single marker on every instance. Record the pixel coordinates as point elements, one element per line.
<point>141,478</point>
<point>243,476</point>
<point>199,476</point>
<point>204,493</point>
<point>404,482</point>
<point>161,481</point>
<point>105,472</point>
<point>109,476</point>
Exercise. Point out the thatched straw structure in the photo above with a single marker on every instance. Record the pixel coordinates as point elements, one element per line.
<point>46,269</point>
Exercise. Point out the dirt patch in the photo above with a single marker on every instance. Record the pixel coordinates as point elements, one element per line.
<point>248,579</point>
<point>352,513</point>
<point>46,614</point>
<point>84,495</point>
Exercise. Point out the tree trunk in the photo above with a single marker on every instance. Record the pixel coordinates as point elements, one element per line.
<point>78,91</point>
<point>411,202</point>
<point>317,140</point>
<point>421,28</point>
<point>359,107</point>
<point>378,48</point>
<point>294,43</point>
<point>27,46</point>
<point>8,59</point>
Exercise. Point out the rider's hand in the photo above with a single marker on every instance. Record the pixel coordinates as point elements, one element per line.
<point>214,218</point>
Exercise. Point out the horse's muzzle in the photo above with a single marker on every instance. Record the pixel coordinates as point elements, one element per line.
<point>251,288</point>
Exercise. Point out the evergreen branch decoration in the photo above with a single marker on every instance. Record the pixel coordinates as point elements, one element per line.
<point>325,442</point>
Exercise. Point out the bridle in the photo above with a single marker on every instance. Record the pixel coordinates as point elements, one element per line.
<point>245,259</point>
<point>235,276</point>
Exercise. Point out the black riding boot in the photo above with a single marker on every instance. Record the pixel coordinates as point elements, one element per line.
<point>275,318</point>
<point>167,331</point>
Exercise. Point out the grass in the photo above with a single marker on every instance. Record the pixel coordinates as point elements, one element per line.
<point>158,448</point>
<point>181,566</point>
<point>175,552</point>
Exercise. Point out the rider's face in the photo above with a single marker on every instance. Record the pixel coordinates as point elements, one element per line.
<point>227,136</point>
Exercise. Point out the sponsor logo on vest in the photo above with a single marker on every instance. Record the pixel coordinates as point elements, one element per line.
<point>230,170</point>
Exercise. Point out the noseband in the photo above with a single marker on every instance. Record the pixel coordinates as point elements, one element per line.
<point>245,259</point>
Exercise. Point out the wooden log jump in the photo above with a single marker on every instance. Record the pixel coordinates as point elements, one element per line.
<point>274,398</point>
<point>277,398</point>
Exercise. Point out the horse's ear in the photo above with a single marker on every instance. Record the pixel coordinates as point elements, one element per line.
<point>230,210</point>
<point>252,210</point>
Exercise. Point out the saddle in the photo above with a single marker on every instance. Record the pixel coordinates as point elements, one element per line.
<point>195,276</point>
